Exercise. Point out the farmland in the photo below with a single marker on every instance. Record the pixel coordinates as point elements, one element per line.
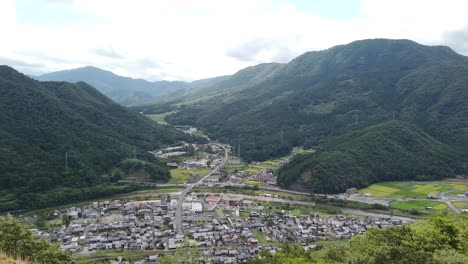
<point>159,118</point>
<point>416,190</point>
<point>418,205</point>
<point>181,175</point>
<point>461,205</point>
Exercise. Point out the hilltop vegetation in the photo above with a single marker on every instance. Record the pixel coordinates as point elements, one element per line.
<point>17,242</point>
<point>323,98</point>
<point>58,134</point>
<point>441,239</point>
<point>389,151</point>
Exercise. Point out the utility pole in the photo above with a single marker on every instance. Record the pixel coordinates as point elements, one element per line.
<point>356,118</point>
<point>238,150</point>
<point>134,152</point>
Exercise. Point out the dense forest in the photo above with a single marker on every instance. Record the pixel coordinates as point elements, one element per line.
<point>393,150</point>
<point>319,97</point>
<point>58,134</point>
<point>442,239</point>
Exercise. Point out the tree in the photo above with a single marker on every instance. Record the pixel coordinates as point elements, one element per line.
<point>17,242</point>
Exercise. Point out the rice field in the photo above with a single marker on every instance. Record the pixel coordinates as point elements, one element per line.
<point>181,175</point>
<point>461,205</point>
<point>417,190</point>
<point>419,205</point>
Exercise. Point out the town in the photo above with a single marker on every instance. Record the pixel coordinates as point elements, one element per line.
<point>223,227</point>
<point>226,229</point>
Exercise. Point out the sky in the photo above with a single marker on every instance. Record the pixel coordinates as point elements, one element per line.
<point>194,39</point>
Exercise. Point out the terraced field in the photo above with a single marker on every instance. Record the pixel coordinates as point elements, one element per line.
<point>418,190</point>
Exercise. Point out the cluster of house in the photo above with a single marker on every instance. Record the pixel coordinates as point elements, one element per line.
<point>114,225</point>
<point>307,229</point>
<point>265,176</point>
<point>226,229</point>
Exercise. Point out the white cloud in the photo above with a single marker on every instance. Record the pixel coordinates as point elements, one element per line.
<point>196,39</point>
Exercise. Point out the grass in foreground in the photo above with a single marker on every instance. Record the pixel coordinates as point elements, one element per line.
<point>4,259</point>
<point>113,254</point>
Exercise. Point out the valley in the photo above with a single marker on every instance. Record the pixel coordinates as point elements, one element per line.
<point>213,197</point>
<point>310,156</point>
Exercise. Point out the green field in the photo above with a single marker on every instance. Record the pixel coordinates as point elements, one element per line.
<point>181,175</point>
<point>253,182</point>
<point>413,189</point>
<point>461,205</point>
<point>159,118</point>
<point>419,205</point>
<point>261,238</point>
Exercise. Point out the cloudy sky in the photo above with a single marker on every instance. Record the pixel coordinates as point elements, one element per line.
<point>194,39</point>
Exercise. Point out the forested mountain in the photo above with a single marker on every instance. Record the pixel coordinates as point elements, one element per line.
<point>393,150</point>
<point>123,90</point>
<point>323,95</point>
<point>225,86</point>
<point>61,134</point>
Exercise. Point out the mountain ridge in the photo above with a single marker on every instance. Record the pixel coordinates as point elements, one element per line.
<point>123,90</point>
<point>60,134</point>
<point>323,95</point>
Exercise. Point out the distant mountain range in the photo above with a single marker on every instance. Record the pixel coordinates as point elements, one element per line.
<point>124,90</point>
<point>375,109</point>
<point>56,135</point>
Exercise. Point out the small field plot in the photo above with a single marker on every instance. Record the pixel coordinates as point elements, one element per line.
<point>261,238</point>
<point>181,175</point>
<point>159,118</point>
<point>412,189</point>
<point>461,205</point>
<point>418,205</point>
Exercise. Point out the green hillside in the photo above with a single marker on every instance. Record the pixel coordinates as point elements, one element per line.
<point>390,151</point>
<point>321,96</point>
<point>57,134</point>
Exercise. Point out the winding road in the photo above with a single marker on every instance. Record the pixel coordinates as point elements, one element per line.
<point>178,212</point>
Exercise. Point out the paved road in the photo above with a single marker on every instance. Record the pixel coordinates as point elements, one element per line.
<point>178,212</point>
<point>449,202</point>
